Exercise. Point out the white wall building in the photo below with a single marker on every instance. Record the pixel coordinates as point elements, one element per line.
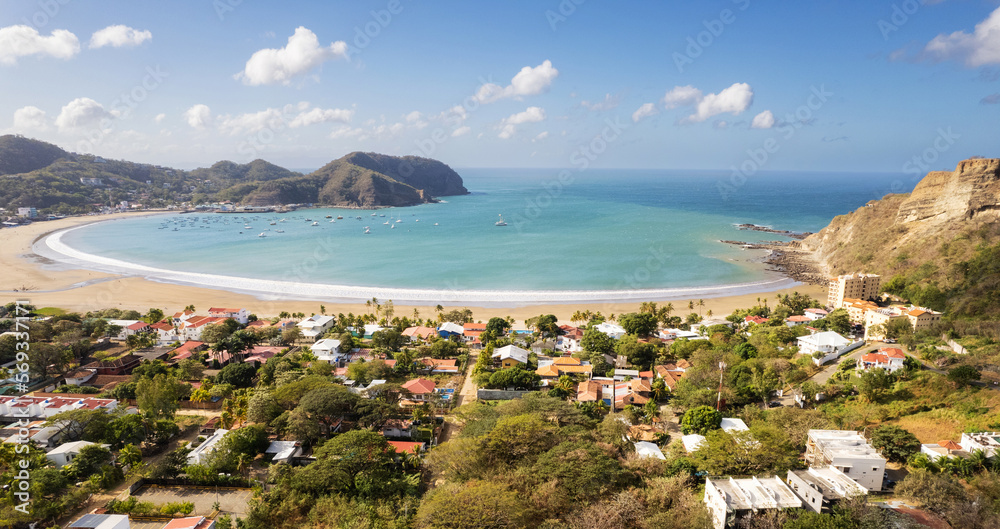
<point>829,343</point>
<point>198,455</point>
<point>611,329</point>
<point>818,487</point>
<point>988,442</point>
<point>316,325</point>
<point>849,452</point>
<point>101,521</point>
<point>65,453</point>
<point>730,499</point>
<point>327,350</point>
<point>240,315</point>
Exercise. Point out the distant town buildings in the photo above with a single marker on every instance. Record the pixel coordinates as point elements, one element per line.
<point>730,499</point>
<point>853,286</point>
<point>28,213</point>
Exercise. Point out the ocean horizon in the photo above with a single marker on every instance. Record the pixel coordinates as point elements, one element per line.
<point>597,235</point>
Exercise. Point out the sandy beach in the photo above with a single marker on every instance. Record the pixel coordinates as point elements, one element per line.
<point>46,283</point>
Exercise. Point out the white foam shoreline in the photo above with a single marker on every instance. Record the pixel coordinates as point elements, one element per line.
<point>53,247</point>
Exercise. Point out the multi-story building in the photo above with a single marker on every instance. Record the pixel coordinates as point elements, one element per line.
<point>856,309</point>
<point>820,487</point>
<point>922,317</point>
<point>876,321</point>
<point>729,499</point>
<point>29,213</point>
<point>849,452</point>
<point>856,286</point>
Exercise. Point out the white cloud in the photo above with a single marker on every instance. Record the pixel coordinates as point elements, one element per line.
<point>764,120</point>
<point>289,116</point>
<point>461,131</point>
<point>528,82</point>
<point>681,96</point>
<point>644,111</point>
<point>734,100</point>
<point>346,132</point>
<point>302,54</point>
<point>199,116</point>
<point>30,117</point>
<point>414,116</point>
<point>541,136</point>
<point>159,118</point>
<point>23,41</point>
<point>720,124</point>
<point>321,115</point>
<point>119,36</point>
<point>608,103</point>
<point>81,112</point>
<point>979,48</point>
<point>510,123</point>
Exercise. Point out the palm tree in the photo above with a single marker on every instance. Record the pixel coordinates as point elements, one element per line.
<point>659,388</point>
<point>978,460</point>
<point>189,308</point>
<point>701,304</point>
<point>565,383</point>
<point>416,315</point>
<point>652,410</point>
<point>709,313</point>
<point>322,309</point>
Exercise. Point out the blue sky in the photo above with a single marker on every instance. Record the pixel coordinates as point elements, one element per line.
<point>844,86</point>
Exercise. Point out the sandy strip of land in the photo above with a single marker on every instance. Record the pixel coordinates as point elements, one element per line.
<point>47,284</point>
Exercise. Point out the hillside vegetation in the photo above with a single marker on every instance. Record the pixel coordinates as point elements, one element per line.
<point>41,175</point>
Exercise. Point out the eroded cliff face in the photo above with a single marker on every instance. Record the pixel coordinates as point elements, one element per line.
<point>971,190</point>
<point>900,231</point>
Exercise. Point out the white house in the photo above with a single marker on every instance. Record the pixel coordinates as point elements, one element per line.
<point>888,358</point>
<point>704,324</point>
<point>192,328</point>
<point>129,327</point>
<point>239,315</point>
<point>316,325</point>
<point>65,453</point>
<point>730,499</point>
<point>849,452</point>
<point>510,353</point>
<point>818,487</point>
<point>449,328</point>
<point>941,449</point>
<point>327,350</point>
<point>611,329</point>
<point>165,333</point>
<point>829,343</point>
<point>988,442</point>
<point>646,449</point>
<point>198,455</point>
<point>816,314</point>
<point>284,451</point>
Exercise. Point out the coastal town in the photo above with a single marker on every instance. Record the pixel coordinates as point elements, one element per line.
<point>199,418</point>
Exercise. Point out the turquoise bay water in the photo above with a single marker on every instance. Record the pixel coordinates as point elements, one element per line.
<point>602,229</point>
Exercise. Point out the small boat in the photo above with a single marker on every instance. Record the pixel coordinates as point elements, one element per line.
<point>279,231</point>
<point>367,231</point>
<point>175,229</point>
<point>373,214</point>
<point>359,218</point>
<point>315,224</point>
<point>282,220</point>
<point>329,216</point>
<point>273,223</point>
<point>418,220</point>
<point>500,222</point>
<point>309,220</point>
<point>382,215</point>
<point>392,227</point>
<point>386,223</point>
<point>399,220</point>
<point>435,224</point>
<point>340,217</point>
<point>262,234</point>
<point>333,220</point>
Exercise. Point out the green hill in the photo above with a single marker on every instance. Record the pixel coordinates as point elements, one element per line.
<point>21,155</point>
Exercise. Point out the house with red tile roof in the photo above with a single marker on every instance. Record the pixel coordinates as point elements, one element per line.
<point>181,317</point>
<point>589,391</point>
<point>240,315</point>
<point>438,365</point>
<point>792,321</point>
<point>421,388</point>
<point>420,333</point>
<point>755,319</point>
<point>888,358</point>
<point>186,350</point>
<point>193,327</point>
<point>165,332</point>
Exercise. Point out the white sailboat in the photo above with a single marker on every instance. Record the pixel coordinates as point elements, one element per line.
<point>500,222</point>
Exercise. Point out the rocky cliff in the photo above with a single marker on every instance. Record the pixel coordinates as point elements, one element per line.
<point>939,224</point>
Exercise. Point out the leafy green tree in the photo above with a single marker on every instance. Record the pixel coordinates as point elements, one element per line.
<point>963,375</point>
<point>159,397</point>
<point>517,438</point>
<point>596,341</point>
<point>584,472</point>
<point>390,339</point>
<point>327,404</point>
<point>839,321</point>
<point>746,351</point>
<point>545,324</point>
<point>482,504</point>
<point>895,443</point>
<point>90,459</point>
<point>936,492</point>
<point>358,463</point>
<point>495,329</point>
<point>764,449</point>
<point>263,407</point>
<point>700,420</point>
<point>874,383</point>
<point>514,377</point>
<point>237,375</point>
<point>641,355</point>
<point>641,324</point>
